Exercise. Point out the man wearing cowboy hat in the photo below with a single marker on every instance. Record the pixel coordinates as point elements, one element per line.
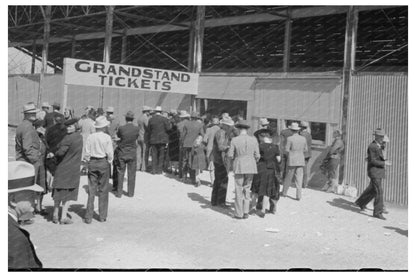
<point>99,155</point>
<point>158,139</point>
<point>221,145</point>
<point>184,117</point>
<point>376,162</point>
<point>126,155</point>
<point>295,148</point>
<point>190,131</point>
<point>143,140</point>
<point>21,185</point>
<point>244,150</point>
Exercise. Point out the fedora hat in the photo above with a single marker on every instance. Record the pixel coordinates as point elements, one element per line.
<point>56,104</point>
<point>242,124</point>
<point>379,132</point>
<point>227,121</point>
<point>45,105</point>
<point>110,110</point>
<point>129,114</point>
<point>304,124</point>
<point>264,121</point>
<point>158,109</point>
<point>146,109</point>
<point>101,122</point>
<point>294,126</point>
<point>22,177</point>
<point>30,108</point>
<point>184,114</point>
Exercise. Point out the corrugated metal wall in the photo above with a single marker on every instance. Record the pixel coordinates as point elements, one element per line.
<point>23,89</point>
<point>378,101</point>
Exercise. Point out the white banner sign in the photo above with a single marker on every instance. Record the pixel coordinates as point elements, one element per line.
<point>100,74</point>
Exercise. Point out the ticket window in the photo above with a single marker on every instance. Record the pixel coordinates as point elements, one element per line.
<point>218,107</point>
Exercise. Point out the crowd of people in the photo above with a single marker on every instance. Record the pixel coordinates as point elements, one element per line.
<point>60,147</point>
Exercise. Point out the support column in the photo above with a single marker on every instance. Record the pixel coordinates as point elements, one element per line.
<point>107,46</point>
<point>349,66</point>
<point>32,69</point>
<point>197,38</point>
<point>46,33</point>
<point>123,47</point>
<point>286,45</point>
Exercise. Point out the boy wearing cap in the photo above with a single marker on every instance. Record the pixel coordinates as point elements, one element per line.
<point>21,188</point>
<point>376,162</point>
<point>126,153</point>
<point>99,155</point>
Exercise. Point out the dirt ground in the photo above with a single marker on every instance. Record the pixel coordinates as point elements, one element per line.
<point>169,224</point>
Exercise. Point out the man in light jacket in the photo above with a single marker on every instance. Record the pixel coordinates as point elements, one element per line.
<point>295,148</point>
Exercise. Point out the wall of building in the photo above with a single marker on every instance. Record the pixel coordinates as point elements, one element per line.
<point>378,101</point>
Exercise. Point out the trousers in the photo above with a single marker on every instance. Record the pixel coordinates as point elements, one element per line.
<point>158,157</point>
<point>219,188</point>
<point>98,175</point>
<point>126,160</point>
<point>242,193</point>
<point>141,155</point>
<point>373,191</point>
<point>297,172</point>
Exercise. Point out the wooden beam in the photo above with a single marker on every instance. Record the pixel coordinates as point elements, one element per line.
<point>199,38</point>
<point>46,33</point>
<point>286,45</point>
<point>161,21</point>
<point>107,45</point>
<point>73,47</point>
<point>123,47</point>
<point>349,56</point>
<point>32,69</point>
<point>210,23</point>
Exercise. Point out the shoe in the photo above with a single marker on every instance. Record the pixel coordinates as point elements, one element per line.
<point>261,214</point>
<point>270,211</point>
<point>118,195</point>
<point>245,216</point>
<point>363,208</point>
<point>237,217</point>
<point>87,220</point>
<point>297,199</point>
<point>385,211</point>
<point>379,216</point>
<point>102,220</point>
<point>66,220</point>
<point>55,220</point>
<point>41,212</point>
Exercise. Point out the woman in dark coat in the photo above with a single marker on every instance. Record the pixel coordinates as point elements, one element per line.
<point>67,174</point>
<point>265,182</point>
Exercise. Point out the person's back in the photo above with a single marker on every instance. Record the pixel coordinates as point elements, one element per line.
<point>128,135</point>
<point>296,146</point>
<point>245,150</point>
<point>27,147</point>
<point>191,131</point>
<point>158,128</point>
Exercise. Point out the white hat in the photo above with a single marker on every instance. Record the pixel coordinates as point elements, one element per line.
<point>22,177</point>
<point>30,108</point>
<point>110,110</point>
<point>264,121</point>
<point>294,126</point>
<point>184,114</point>
<point>45,105</point>
<point>158,109</point>
<point>101,122</point>
<point>304,124</point>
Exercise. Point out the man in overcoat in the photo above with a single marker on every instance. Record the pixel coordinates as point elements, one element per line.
<point>244,150</point>
<point>295,148</point>
<point>159,138</point>
<point>126,155</point>
<point>376,163</point>
<point>21,185</point>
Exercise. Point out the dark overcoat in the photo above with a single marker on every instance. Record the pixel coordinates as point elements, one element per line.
<point>375,161</point>
<point>68,156</point>
<point>21,251</point>
<point>158,129</point>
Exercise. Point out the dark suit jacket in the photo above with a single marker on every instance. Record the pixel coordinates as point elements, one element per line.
<point>375,161</point>
<point>22,254</point>
<point>128,135</point>
<point>158,129</point>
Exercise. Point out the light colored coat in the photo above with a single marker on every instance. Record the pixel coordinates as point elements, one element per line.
<point>296,145</point>
<point>244,149</point>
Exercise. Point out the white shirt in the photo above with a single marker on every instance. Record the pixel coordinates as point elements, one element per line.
<point>99,145</point>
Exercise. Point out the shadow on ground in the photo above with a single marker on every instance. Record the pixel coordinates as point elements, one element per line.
<point>344,204</point>
<point>206,204</point>
<point>398,230</point>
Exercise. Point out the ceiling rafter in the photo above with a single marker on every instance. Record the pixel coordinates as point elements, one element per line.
<point>134,16</point>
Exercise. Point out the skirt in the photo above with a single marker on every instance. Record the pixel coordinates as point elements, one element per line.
<point>265,183</point>
<point>65,194</point>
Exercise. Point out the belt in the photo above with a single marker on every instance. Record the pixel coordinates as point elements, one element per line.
<point>94,158</point>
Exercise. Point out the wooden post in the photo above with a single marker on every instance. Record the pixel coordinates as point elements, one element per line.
<point>107,46</point>
<point>349,65</point>
<point>123,47</point>
<point>288,35</point>
<point>197,32</point>
<point>32,70</point>
<point>65,87</point>
<point>46,33</point>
